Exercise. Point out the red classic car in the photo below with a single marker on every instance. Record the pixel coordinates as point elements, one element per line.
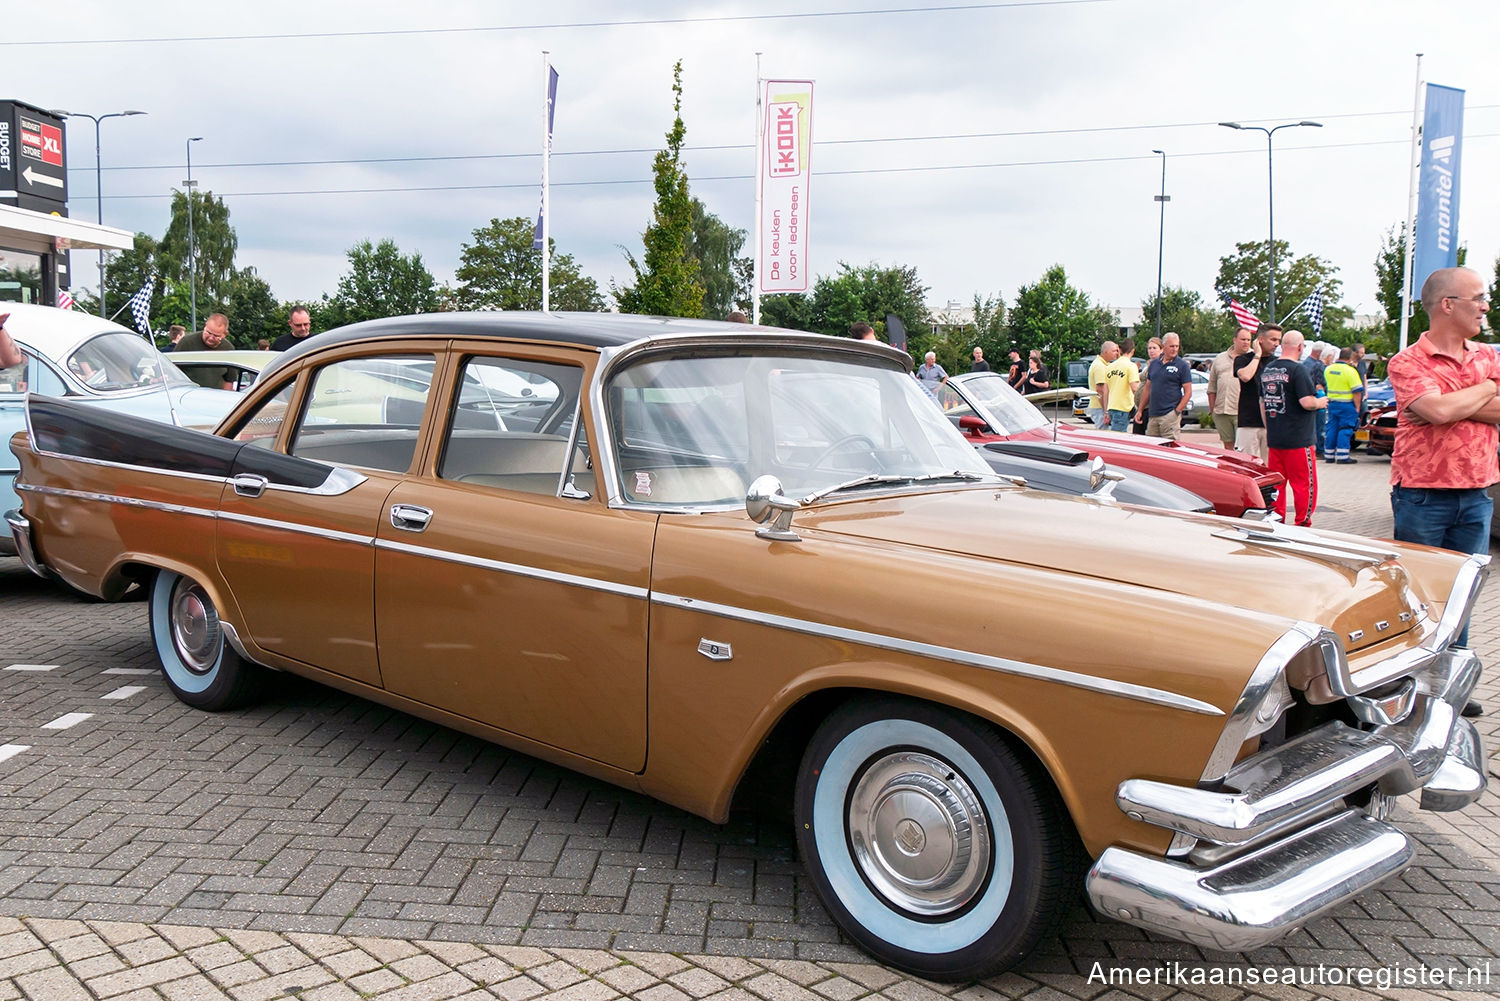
<point>985,408</point>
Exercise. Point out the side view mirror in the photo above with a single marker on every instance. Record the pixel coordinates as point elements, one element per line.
<point>1101,480</point>
<point>770,508</point>
<point>973,425</point>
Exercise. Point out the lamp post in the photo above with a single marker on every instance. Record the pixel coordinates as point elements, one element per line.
<point>98,178</point>
<point>192,245</point>
<point>1161,238</point>
<point>1271,195</point>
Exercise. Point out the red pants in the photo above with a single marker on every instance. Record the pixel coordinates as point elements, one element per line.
<point>1300,467</point>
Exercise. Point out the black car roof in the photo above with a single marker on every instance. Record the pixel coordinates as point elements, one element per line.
<point>597,330</point>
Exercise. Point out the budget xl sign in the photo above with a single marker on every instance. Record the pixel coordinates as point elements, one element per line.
<point>784,177</point>
<point>33,164</point>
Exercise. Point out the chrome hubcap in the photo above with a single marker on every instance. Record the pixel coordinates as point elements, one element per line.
<point>919,833</point>
<point>195,627</point>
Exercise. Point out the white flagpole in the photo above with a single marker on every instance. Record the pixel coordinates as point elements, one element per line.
<point>1413,167</point>
<point>546,164</point>
<point>760,124</point>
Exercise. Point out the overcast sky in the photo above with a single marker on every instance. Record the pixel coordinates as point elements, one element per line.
<point>980,143</point>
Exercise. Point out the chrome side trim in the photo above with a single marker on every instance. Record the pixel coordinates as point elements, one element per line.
<point>1257,898</point>
<point>90,495</point>
<point>1139,693</point>
<point>516,569</point>
<point>291,526</point>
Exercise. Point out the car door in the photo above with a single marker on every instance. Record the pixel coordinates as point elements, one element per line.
<point>507,591</point>
<point>301,563</point>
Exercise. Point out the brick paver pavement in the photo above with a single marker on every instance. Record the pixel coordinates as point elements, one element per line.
<point>322,847</point>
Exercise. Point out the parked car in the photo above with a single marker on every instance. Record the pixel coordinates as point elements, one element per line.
<point>209,368</point>
<point>986,409</point>
<point>1378,431</point>
<point>1064,469</point>
<point>725,559</point>
<point>99,364</point>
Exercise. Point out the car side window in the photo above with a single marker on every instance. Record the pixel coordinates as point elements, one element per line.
<point>31,376</point>
<point>510,426</point>
<point>264,423</point>
<point>365,411</point>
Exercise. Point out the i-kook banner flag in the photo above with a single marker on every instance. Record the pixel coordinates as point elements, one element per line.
<point>1437,200</point>
<point>785,176</point>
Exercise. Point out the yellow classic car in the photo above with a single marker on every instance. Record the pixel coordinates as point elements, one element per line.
<point>707,560</point>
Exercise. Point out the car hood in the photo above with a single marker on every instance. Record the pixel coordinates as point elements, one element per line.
<point>1202,556</point>
<point>1111,445</point>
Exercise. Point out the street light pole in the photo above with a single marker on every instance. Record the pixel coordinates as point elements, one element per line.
<point>192,245</point>
<point>98,178</point>
<point>1271,196</point>
<point>1161,238</point>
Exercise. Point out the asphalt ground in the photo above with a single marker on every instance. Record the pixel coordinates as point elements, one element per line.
<point>323,847</point>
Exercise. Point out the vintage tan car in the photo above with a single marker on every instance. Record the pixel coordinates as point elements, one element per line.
<point>674,555</point>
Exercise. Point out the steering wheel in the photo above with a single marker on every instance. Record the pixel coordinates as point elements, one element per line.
<point>839,446</point>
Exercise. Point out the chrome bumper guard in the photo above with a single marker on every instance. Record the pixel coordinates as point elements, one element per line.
<point>1289,833</point>
<point>20,532</point>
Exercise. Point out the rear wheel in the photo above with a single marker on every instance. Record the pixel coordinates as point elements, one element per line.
<point>934,844</point>
<point>199,666</point>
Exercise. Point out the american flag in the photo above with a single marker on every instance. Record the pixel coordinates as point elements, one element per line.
<point>64,300</point>
<point>1247,319</point>
<point>140,306</point>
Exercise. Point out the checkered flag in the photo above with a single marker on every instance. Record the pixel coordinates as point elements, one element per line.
<point>140,306</point>
<point>1315,312</point>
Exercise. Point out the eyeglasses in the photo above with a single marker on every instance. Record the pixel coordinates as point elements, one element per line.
<point>1482,298</point>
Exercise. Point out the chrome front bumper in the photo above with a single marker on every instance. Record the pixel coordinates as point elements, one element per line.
<point>1296,829</point>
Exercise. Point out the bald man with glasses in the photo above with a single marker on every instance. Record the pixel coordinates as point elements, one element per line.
<point>1447,388</point>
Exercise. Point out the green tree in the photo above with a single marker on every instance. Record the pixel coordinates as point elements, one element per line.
<point>790,311</point>
<point>1054,317</point>
<point>381,281</point>
<point>869,293</point>
<point>990,331</point>
<point>124,274</point>
<point>1245,275</point>
<point>1182,313</point>
<point>500,270</point>
<point>666,278</point>
<point>716,246</point>
<point>214,241</point>
<point>254,314</point>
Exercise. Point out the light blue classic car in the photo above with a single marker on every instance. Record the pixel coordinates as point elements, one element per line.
<point>90,360</point>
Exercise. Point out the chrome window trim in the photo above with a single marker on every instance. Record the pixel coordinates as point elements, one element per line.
<point>613,358</point>
<point>514,569</point>
<point>968,658</point>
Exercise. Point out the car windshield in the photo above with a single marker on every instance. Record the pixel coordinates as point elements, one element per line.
<point>1003,409</point>
<point>697,429</point>
<point>116,361</point>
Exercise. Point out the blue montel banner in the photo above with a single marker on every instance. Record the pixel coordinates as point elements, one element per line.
<point>1437,200</point>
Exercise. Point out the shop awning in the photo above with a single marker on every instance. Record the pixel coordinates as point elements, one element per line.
<point>38,232</point>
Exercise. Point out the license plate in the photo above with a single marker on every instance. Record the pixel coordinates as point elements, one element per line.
<point>1361,436</point>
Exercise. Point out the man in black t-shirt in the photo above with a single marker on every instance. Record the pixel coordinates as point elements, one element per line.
<point>1250,430</point>
<point>1288,401</point>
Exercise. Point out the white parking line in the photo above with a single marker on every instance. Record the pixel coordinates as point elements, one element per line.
<point>130,670</point>
<point>124,692</point>
<point>8,751</point>
<point>32,667</point>
<point>66,720</point>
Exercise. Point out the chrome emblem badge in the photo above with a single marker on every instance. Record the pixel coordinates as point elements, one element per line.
<point>714,650</point>
<point>910,837</point>
<point>1382,626</point>
<point>1358,634</point>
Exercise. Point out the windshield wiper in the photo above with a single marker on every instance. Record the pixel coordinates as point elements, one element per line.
<point>875,479</point>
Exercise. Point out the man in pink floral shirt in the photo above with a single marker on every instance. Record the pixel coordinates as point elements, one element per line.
<point>1446,389</point>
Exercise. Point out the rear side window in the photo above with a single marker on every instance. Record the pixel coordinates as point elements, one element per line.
<point>264,424</point>
<point>511,425</point>
<point>365,412</point>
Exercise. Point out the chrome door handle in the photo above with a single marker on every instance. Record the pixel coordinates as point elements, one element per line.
<point>410,517</point>
<point>249,484</point>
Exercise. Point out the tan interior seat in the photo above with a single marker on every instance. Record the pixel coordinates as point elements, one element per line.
<point>684,485</point>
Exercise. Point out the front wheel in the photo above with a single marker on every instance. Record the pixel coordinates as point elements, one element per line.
<point>933,843</point>
<point>199,666</point>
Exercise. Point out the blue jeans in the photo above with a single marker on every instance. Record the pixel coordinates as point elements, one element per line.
<point>1119,420</point>
<point>1452,519</point>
